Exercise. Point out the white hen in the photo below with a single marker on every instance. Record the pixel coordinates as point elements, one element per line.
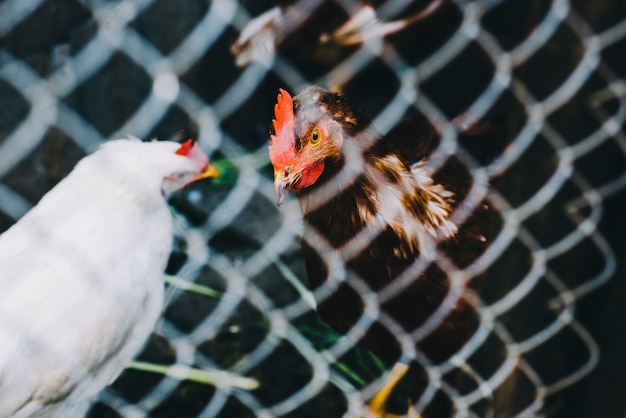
<point>82,275</point>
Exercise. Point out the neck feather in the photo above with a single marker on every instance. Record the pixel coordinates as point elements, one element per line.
<point>387,195</point>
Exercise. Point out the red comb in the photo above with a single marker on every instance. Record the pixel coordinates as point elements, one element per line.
<point>185,147</point>
<point>282,147</point>
<point>283,112</point>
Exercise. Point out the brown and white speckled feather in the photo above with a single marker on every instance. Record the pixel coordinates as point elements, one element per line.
<point>408,201</point>
<point>388,195</point>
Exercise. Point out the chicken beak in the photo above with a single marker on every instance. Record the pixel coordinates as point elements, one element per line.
<point>208,172</point>
<point>283,184</point>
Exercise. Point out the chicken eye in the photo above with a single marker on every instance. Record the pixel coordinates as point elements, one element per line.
<point>315,136</point>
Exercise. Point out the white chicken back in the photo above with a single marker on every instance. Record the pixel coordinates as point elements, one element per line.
<point>81,275</point>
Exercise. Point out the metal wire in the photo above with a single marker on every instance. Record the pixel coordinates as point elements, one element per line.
<point>240,304</point>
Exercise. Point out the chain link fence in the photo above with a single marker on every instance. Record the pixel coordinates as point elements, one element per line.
<point>239,336</point>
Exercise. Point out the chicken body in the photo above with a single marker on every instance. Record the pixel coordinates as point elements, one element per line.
<point>370,217</point>
<point>82,276</point>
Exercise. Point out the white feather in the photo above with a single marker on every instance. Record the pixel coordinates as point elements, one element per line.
<point>81,277</point>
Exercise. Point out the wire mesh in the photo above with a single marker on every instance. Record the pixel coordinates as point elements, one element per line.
<point>74,74</point>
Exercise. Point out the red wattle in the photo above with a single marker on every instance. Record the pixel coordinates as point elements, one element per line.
<point>309,176</point>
